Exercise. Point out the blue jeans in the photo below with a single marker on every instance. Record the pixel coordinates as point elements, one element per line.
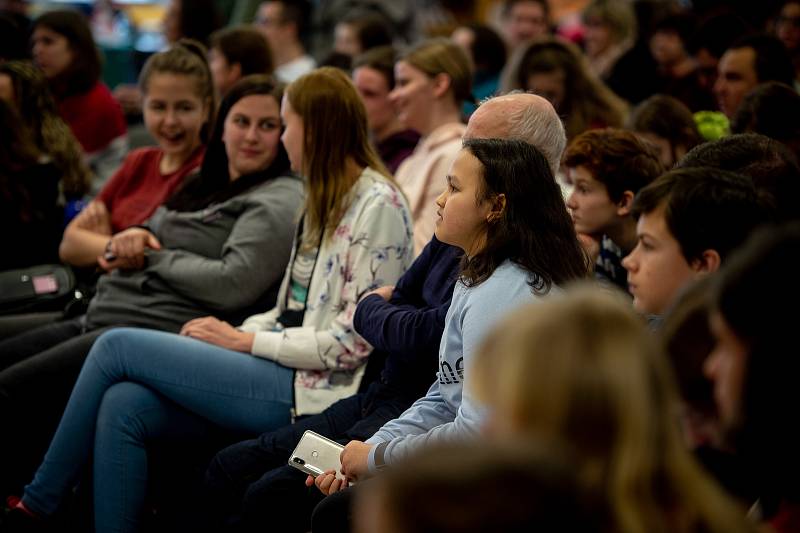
<point>138,385</point>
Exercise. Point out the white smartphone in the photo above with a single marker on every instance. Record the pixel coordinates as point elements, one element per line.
<point>316,454</point>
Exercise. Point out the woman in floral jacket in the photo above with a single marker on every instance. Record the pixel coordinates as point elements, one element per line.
<point>138,386</point>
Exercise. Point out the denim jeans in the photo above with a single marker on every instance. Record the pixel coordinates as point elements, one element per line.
<point>140,385</point>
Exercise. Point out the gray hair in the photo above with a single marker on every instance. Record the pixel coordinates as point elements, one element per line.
<point>545,131</point>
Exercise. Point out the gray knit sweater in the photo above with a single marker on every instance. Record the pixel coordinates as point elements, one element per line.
<point>219,261</point>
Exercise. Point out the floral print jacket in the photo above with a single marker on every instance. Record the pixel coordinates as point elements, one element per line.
<point>371,247</point>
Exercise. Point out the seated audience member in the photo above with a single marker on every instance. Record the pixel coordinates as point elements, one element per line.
<point>667,123</point>
<point>139,386</point>
<point>524,21</point>
<point>610,31</point>
<point>556,71</point>
<point>488,53</point>
<point>754,371</point>
<point>230,480</point>
<point>432,81</point>
<point>13,37</point>
<point>583,369</point>
<point>373,76</point>
<point>178,110</point>
<point>773,168</point>
<point>749,61</point>
<point>688,221</point>
<point>237,52</point>
<point>677,70</point>
<point>713,36</point>
<point>249,484</point>
<point>63,48</point>
<point>515,255</point>
<point>218,246</point>
<point>24,86</point>
<point>283,23</point>
<point>787,30</point>
<point>361,31</point>
<point>687,341</point>
<point>771,109</point>
<point>180,22</point>
<point>607,168</point>
<point>31,216</point>
<point>508,487</point>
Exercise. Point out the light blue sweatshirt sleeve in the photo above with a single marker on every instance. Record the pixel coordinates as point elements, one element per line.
<point>447,413</point>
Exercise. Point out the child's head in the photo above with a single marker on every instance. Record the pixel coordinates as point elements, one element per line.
<point>237,52</point>
<point>583,368</point>
<point>667,123</point>
<point>688,221</point>
<point>178,104</point>
<point>326,132</point>
<point>471,488</point>
<point>486,210</point>
<point>63,47</point>
<point>607,168</point>
<point>436,70</point>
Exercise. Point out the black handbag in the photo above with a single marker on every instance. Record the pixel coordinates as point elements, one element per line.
<point>38,288</point>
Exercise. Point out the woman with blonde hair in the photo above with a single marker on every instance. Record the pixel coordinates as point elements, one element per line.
<point>556,70</point>
<point>432,81</point>
<point>296,359</point>
<point>585,369</point>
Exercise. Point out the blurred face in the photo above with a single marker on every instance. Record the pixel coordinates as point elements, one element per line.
<point>51,51</point>
<point>592,210</point>
<point>550,85</point>
<point>464,37</point>
<point>6,88</point>
<point>373,88</point>
<point>269,21</point>
<point>667,48</point>
<point>726,366</point>
<point>412,96</point>
<point>223,73</point>
<point>787,26</point>
<point>526,21</point>
<point>251,135</point>
<point>656,267</point>
<point>345,40</point>
<point>737,77</point>
<point>292,135</point>
<point>597,37</point>
<point>707,66</point>
<point>172,21</point>
<point>174,113</point>
<point>667,153</point>
<point>461,217</point>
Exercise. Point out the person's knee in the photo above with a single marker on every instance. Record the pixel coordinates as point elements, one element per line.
<point>121,407</point>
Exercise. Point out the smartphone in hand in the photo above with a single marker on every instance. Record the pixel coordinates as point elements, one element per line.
<point>316,454</point>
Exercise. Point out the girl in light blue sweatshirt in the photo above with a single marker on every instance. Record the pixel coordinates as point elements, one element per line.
<point>503,208</point>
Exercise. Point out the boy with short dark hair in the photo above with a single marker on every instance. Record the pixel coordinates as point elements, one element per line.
<point>688,221</point>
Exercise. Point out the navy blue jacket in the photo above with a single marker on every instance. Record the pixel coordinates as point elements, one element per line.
<point>408,328</point>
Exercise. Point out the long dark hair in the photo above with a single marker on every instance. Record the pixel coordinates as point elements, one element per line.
<point>534,230</point>
<point>84,71</point>
<point>18,152</point>
<point>748,288</point>
<point>212,184</point>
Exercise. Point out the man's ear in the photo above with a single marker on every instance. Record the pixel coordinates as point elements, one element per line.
<point>236,71</point>
<point>497,209</point>
<point>625,203</point>
<point>708,262</point>
<point>441,84</point>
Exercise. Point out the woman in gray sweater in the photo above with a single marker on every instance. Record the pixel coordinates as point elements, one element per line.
<point>218,247</point>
